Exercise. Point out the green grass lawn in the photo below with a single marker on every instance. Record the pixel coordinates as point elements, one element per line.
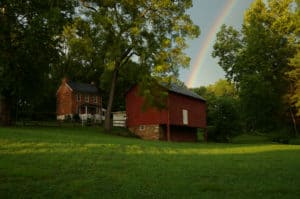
<point>86,163</point>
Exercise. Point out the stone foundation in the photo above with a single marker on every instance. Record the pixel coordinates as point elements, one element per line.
<point>159,132</point>
<point>147,132</point>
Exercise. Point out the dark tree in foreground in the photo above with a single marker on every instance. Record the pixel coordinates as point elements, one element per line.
<point>28,47</point>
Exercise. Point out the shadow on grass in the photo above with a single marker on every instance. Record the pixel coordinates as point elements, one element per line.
<point>66,163</point>
<point>117,172</point>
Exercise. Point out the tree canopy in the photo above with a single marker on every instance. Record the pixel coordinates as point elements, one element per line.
<point>257,58</point>
<point>29,35</point>
<point>150,33</point>
<point>223,116</point>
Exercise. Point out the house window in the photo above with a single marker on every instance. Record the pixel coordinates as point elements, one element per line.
<point>78,97</point>
<point>95,99</point>
<point>87,98</point>
<point>185,117</point>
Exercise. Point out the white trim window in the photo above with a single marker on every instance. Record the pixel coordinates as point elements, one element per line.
<point>87,98</point>
<point>185,117</point>
<point>95,99</point>
<point>78,97</point>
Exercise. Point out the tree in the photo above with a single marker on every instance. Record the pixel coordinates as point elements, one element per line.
<point>126,79</point>
<point>223,115</point>
<point>149,32</point>
<point>257,58</point>
<point>222,88</point>
<point>293,97</point>
<point>80,57</point>
<point>294,75</point>
<point>28,38</point>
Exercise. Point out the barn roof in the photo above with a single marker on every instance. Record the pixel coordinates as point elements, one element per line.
<point>183,91</point>
<point>83,88</point>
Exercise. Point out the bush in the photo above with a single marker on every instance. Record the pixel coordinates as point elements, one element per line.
<point>223,118</point>
<point>68,118</point>
<point>76,118</point>
<point>217,135</point>
<point>89,122</point>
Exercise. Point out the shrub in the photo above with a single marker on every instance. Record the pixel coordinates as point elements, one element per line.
<point>76,118</point>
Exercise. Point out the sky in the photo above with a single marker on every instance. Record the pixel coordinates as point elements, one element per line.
<point>209,15</point>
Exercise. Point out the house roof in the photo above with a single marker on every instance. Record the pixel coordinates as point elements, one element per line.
<point>83,88</point>
<point>183,91</point>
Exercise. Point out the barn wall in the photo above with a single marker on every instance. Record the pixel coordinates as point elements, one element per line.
<point>179,133</point>
<point>158,132</point>
<point>196,110</point>
<point>147,132</point>
<point>135,115</point>
<point>183,134</point>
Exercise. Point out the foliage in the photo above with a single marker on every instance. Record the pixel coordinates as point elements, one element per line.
<point>81,53</point>
<point>223,116</point>
<point>294,73</point>
<point>79,162</point>
<point>256,59</point>
<point>294,76</point>
<point>150,33</point>
<point>128,77</point>
<point>29,37</point>
<point>76,118</point>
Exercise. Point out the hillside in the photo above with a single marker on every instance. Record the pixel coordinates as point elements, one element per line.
<point>87,163</point>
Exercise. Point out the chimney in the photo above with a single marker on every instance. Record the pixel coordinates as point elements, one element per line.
<point>64,80</point>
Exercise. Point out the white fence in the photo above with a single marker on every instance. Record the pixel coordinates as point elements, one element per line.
<point>119,119</point>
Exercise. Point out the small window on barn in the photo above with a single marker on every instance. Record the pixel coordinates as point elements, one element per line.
<point>185,117</point>
<point>87,98</point>
<point>142,127</point>
<point>78,97</point>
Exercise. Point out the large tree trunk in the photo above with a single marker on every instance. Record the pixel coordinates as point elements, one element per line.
<point>5,111</point>
<point>294,122</point>
<point>107,124</point>
<point>118,64</point>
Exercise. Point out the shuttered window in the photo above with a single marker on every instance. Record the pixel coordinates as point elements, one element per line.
<point>185,117</point>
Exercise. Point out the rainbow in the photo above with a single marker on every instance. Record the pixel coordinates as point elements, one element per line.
<point>197,65</point>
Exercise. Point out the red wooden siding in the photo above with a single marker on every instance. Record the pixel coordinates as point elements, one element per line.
<point>135,115</point>
<point>177,103</point>
<point>196,110</point>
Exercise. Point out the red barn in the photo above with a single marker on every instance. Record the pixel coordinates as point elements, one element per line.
<point>185,112</point>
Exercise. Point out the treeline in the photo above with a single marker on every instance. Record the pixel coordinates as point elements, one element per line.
<point>262,66</point>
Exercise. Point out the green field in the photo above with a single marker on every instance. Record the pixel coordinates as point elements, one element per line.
<point>86,163</point>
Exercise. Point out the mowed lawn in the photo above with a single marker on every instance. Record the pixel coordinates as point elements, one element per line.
<point>87,163</point>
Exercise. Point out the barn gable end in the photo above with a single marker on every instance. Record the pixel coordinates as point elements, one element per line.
<point>185,112</point>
